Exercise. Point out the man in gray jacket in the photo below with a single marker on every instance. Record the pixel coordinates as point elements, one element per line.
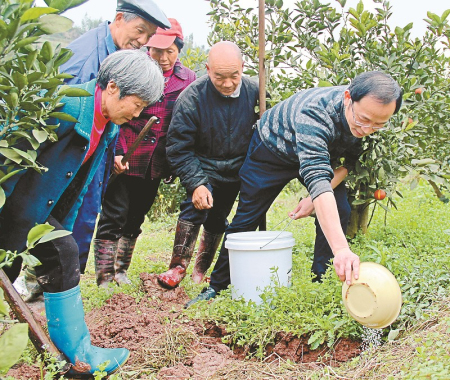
<point>207,141</point>
<point>315,136</point>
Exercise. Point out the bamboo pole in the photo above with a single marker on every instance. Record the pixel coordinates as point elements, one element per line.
<point>262,52</point>
<point>262,74</point>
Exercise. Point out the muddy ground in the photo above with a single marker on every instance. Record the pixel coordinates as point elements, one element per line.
<point>165,345</point>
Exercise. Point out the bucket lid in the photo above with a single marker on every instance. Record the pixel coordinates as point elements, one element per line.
<point>259,240</point>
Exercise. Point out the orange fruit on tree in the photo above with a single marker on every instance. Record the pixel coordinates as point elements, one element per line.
<point>379,194</point>
<point>419,90</point>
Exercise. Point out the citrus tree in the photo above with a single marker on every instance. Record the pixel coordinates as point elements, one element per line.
<point>30,92</point>
<point>316,44</point>
<point>30,82</point>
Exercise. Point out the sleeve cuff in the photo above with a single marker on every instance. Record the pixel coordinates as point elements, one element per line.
<point>319,187</point>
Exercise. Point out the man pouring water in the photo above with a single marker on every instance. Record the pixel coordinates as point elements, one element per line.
<point>316,137</point>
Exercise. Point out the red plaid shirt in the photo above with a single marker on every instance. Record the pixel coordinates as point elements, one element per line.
<point>149,159</point>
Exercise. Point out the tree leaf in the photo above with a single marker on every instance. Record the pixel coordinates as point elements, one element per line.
<point>63,116</point>
<point>324,83</point>
<point>39,135</point>
<point>54,235</point>
<point>64,5</point>
<point>11,154</point>
<point>12,343</point>
<point>2,197</point>
<point>23,154</point>
<point>3,179</point>
<point>36,12</point>
<point>422,162</point>
<point>29,260</point>
<point>51,24</point>
<point>26,41</point>
<point>358,202</point>
<point>37,232</point>
<point>3,304</point>
<point>73,92</point>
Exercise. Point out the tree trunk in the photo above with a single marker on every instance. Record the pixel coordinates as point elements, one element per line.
<point>359,220</point>
<point>438,192</point>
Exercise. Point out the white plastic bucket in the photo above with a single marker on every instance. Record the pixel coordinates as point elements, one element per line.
<point>253,256</point>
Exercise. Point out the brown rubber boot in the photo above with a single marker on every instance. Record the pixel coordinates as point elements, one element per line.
<point>183,247</point>
<point>205,255</point>
<point>123,259</point>
<point>104,252</point>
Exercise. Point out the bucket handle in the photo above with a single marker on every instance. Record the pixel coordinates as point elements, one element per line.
<point>292,218</point>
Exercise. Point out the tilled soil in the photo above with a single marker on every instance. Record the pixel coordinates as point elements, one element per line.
<point>165,344</point>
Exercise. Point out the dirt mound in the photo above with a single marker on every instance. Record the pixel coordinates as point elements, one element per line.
<point>288,346</point>
<point>25,371</point>
<point>161,340</point>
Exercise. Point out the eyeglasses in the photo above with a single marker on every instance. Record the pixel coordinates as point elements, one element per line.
<point>362,125</point>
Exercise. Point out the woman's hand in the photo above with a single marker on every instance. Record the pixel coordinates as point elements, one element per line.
<point>118,166</point>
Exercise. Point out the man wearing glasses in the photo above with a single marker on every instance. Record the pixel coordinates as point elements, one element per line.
<point>315,136</point>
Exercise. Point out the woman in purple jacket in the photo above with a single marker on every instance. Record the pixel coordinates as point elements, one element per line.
<point>129,198</point>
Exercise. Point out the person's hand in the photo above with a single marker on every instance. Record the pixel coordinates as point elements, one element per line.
<point>345,261</point>
<point>118,167</point>
<point>202,198</point>
<point>304,208</point>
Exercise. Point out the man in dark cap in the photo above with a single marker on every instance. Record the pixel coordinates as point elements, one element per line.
<point>135,22</point>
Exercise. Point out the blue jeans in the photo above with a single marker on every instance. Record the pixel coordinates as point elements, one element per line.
<point>263,176</point>
<point>213,220</point>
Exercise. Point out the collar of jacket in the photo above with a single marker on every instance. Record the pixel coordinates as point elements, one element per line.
<point>218,93</point>
<point>109,42</point>
<point>86,111</point>
<point>178,70</point>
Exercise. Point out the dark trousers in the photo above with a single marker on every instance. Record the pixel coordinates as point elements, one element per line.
<point>60,269</point>
<point>214,220</point>
<point>263,176</point>
<point>126,203</point>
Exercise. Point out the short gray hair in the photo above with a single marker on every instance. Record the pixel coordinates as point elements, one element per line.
<point>134,73</point>
<point>127,16</point>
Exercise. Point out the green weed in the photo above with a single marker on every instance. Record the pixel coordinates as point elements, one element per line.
<point>413,245</point>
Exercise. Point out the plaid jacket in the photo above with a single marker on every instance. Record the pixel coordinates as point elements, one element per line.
<point>149,159</point>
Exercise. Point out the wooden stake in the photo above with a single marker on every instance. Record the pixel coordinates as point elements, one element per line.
<point>20,309</point>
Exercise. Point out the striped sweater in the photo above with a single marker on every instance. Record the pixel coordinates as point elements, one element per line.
<point>309,129</point>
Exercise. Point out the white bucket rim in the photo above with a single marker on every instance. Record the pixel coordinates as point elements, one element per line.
<point>259,240</point>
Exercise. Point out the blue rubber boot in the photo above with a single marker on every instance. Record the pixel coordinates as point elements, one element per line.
<point>68,331</point>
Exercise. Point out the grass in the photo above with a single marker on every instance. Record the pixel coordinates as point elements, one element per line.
<point>414,244</point>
